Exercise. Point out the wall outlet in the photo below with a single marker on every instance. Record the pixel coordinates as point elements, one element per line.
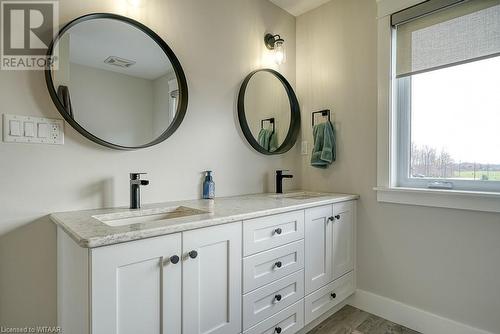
<point>29,129</point>
<point>304,148</point>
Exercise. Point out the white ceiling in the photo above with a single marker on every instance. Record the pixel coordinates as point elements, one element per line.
<point>299,7</point>
<point>91,42</point>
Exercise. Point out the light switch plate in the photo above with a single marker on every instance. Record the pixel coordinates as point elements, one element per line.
<point>29,127</point>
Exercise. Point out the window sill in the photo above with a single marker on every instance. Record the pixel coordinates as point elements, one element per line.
<point>453,199</point>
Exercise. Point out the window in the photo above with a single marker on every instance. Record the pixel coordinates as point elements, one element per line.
<point>447,95</point>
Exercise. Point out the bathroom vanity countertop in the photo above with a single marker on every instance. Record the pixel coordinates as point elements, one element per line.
<point>90,232</point>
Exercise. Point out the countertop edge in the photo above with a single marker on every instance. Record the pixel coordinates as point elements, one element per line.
<point>128,236</point>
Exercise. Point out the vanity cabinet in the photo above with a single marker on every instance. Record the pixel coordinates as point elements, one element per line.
<point>272,274</point>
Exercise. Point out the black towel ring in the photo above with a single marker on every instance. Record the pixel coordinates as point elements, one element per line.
<point>323,113</point>
<point>270,120</point>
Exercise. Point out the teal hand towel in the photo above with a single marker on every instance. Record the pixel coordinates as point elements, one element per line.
<point>273,142</point>
<point>324,150</point>
<point>264,138</point>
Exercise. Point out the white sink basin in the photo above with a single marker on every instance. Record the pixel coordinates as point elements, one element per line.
<point>299,195</point>
<point>147,215</point>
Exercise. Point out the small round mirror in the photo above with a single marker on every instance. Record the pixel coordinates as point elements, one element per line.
<point>116,81</point>
<point>268,112</point>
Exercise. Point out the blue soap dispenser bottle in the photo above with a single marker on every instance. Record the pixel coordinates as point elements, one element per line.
<point>208,186</point>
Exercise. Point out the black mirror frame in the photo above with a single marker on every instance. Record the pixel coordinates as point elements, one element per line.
<point>179,72</point>
<point>293,131</point>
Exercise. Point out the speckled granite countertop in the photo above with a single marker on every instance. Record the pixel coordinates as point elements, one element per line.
<point>88,231</point>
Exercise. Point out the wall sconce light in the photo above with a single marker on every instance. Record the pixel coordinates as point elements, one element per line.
<point>277,45</point>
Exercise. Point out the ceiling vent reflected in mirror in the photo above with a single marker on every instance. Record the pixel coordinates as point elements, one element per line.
<point>120,62</point>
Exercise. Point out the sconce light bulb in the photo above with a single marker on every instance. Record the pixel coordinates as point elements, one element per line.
<point>279,53</point>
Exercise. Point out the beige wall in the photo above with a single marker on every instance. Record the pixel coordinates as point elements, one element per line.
<point>440,260</point>
<point>109,103</point>
<point>218,43</point>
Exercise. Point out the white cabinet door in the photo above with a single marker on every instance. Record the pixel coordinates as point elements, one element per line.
<point>136,288</point>
<point>212,280</point>
<point>343,244</point>
<point>318,247</point>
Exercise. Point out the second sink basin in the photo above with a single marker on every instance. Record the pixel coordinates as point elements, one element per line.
<point>299,195</point>
<point>147,215</point>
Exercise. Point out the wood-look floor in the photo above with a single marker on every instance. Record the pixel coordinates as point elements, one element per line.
<point>350,320</point>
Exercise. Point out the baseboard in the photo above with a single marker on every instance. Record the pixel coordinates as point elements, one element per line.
<point>409,316</point>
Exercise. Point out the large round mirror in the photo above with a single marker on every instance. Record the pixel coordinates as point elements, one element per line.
<point>268,112</point>
<point>116,81</point>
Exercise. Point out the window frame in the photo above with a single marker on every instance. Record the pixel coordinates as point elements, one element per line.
<point>401,110</point>
<point>387,190</point>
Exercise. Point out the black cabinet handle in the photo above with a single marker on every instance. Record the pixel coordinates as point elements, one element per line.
<point>277,298</point>
<point>331,218</point>
<point>337,217</point>
<point>278,264</point>
<point>193,254</point>
<point>277,330</point>
<point>174,259</point>
<point>334,295</point>
<point>278,230</point>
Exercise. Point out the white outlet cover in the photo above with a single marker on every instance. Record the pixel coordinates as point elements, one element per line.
<point>304,148</point>
<point>55,130</point>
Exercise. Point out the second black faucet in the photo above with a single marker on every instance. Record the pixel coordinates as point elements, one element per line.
<point>279,180</point>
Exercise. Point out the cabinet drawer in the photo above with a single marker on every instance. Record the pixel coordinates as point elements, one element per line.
<point>290,321</point>
<point>264,233</point>
<point>272,298</point>
<point>268,266</point>
<point>322,300</point>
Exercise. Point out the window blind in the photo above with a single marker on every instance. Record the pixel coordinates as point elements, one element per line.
<point>460,33</point>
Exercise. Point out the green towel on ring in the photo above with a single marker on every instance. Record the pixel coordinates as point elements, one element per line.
<point>324,150</point>
<point>264,138</point>
<point>268,140</point>
<point>273,142</point>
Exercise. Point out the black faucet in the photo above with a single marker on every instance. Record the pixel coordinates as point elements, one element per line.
<point>135,192</point>
<point>279,180</point>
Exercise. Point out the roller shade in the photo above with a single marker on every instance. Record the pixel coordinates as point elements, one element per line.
<point>464,32</point>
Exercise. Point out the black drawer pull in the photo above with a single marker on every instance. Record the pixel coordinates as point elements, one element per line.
<point>174,259</point>
<point>277,330</point>
<point>193,254</point>
<point>337,217</point>
<point>278,230</point>
<point>278,264</point>
<point>334,295</point>
<point>277,298</point>
<point>331,218</point>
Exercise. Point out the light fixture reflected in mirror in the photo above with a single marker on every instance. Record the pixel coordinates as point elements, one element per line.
<point>277,45</point>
